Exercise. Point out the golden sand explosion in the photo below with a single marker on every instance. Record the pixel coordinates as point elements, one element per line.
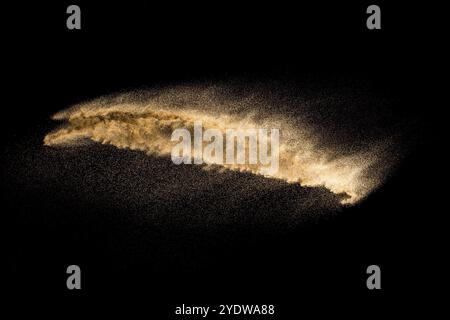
<point>131,122</point>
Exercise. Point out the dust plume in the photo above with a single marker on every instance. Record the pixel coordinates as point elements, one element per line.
<point>144,121</point>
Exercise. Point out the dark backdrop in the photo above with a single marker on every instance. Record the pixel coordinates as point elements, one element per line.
<point>318,267</point>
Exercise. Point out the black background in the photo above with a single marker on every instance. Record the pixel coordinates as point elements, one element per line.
<point>320,267</point>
